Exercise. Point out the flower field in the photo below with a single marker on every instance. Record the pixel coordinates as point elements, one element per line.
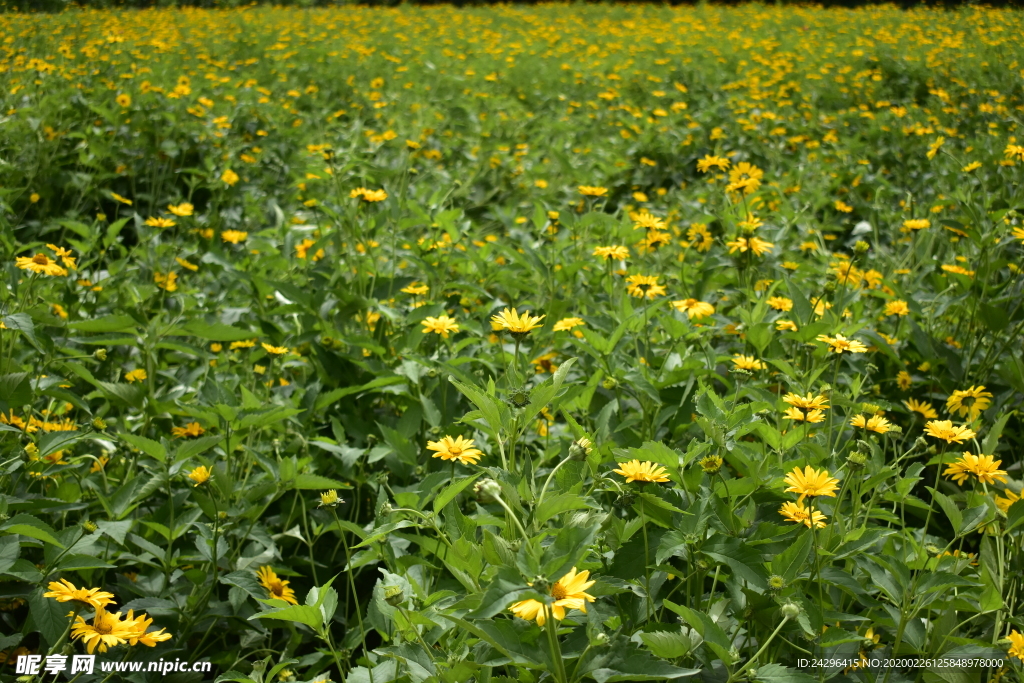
<point>523,343</point>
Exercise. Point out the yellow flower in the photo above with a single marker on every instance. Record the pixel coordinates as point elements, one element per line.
<point>912,224</point>
<point>904,380</point>
<point>517,325</point>
<point>746,177</point>
<point>569,592</point>
<point>200,475</point>
<point>897,307</point>
<point>330,498</point>
<point>1016,644</point>
<point>65,591</point>
<point>644,285</point>
<point>984,467</point>
<point>191,430</point>
<point>647,221</point>
<point>106,630</point>
<point>591,191</point>
<point>244,344</point>
<point>124,100</point>
<point>1004,503</point>
<point>138,632</point>
<point>780,303</point>
<point>841,206</point>
<point>970,402</point>
<point>796,512</point>
<point>156,222</point>
<point>699,237</point>
<point>234,236</point>
<point>644,472</point>
<point>785,326</point>
<point>459,448</point>
<point>694,308</point>
<point>709,160</point>
<point>944,429</point>
<point>167,282</point>
<point>875,423</point>
<point>64,255</point>
<point>416,289</point>
<point>274,350</point>
<point>185,264</point>
<point>813,416</point>
<point>183,209</point>
<point>808,402</point>
<point>277,587</point>
<point>123,200</point>
<point>229,177</point>
<point>544,363</point>
<point>612,253</point>
<point>811,482</point>
<point>841,343</point>
<point>757,245</point>
<point>40,263</point>
<point>741,362</point>
<point>442,325</point>
<point>973,166</point>
<point>925,409</point>
<point>566,324</point>
<point>135,375</point>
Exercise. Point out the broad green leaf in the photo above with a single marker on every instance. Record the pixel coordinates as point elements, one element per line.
<point>108,323</point>
<point>154,449</point>
<point>454,489</point>
<point>33,527</point>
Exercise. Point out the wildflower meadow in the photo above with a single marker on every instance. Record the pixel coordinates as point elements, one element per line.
<point>541,343</point>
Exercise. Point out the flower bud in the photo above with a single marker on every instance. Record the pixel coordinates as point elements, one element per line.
<point>861,247</point>
<point>100,354</point>
<point>711,464</point>
<point>856,459</point>
<point>394,595</point>
<point>599,640</point>
<point>791,610</point>
<point>491,488</point>
<point>776,583</point>
<point>98,424</point>
<point>89,526</point>
<point>579,450</point>
<point>609,383</point>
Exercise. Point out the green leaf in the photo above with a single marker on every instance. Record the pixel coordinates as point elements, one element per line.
<point>741,559</point>
<point>153,449</point>
<point>949,507</point>
<point>129,393</point>
<point>790,561</point>
<point>487,404</point>
<point>48,615</point>
<point>30,526</point>
<point>666,644</point>
<point>51,442</point>
<point>300,614</point>
<point>15,390</point>
<point>777,673</point>
<point>217,332</point>
<point>454,489</point>
<point>711,632</point>
<point>626,662</point>
<point>108,323</point>
<point>330,397</point>
<point>994,432</point>
<point>10,548</point>
<point>317,482</point>
<point>557,504</point>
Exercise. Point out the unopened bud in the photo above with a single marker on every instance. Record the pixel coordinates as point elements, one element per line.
<point>776,583</point>
<point>600,639</point>
<point>394,595</point>
<point>98,424</point>
<point>861,247</point>
<point>100,354</point>
<point>491,488</point>
<point>791,610</point>
<point>856,459</point>
<point>579,450</point>
<point>89,526</point>
<point>610,383</point>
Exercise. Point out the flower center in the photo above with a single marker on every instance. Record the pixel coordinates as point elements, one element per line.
<point>558,592</point>
<point>101,627</point>
<point>456,451</point>
<point>41,259</point>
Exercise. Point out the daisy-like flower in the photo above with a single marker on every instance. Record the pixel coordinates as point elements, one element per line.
<point>1016,639</point>
<point>709,160</point>
<point>796,512</point>
<point>593,191</point>
<point>984,467</point>
<point>330,499</point>
<point>123,200</point>
<point>200,475</point>
<point>875,423</point>
<point>744,177</point>
<point>441,325</point>
<point>644,285</point>
<point>780,303</point>
<point>924,409</point>
<point>741,362</point>
<point>566,324</point>
<point>234,236</point>
<point>368,195</point>
<point>65,591</point>
<point>416,289</point>
<point>157,222</point>
<point>811,482</point>
<point>139,634</point>
<point>65,255</point>
<point>645,220</point>
<point>135,375</point>
<point>944,429</point>
<point>1004,503</point>
<point>897,307</point>
<point>106,630</point>
<point>970,402</point>
<point>904,380</point>
<point>181,210</point>
<point>757,245</point>
<point>839,343</point>
<point>458,448</point>
<point>276,586</point>
<point>190,431</point>
<point>40,263</point>
<point>812,416</point>
<point>644,472</point>
<point>274,350</point>
<point>694,308</point>
<point>517,325</point>
<point>808,402</point>
<point>615,252</point>
<point>786,326</point>
<point>229,177</point>
<point>699,237</point>
<point>569,592</point>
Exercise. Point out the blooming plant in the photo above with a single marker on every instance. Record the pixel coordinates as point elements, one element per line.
<point>548,343</point>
